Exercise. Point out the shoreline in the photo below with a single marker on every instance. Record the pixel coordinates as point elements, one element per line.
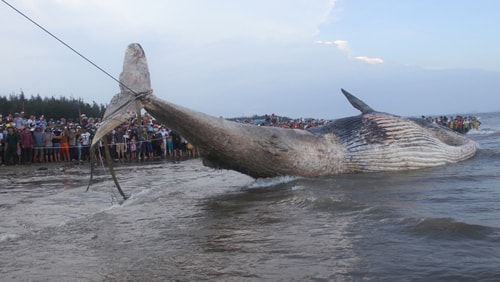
<point>23,169</point>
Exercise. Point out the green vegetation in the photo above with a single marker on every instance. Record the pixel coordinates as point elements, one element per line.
<point>62,107</point>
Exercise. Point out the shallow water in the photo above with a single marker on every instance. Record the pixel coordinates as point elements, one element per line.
<point>187,222</point>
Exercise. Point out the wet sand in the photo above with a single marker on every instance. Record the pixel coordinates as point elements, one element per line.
<point>39,167</point>
<point>61,167</point>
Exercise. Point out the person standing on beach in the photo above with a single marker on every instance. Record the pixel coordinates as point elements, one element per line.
<point>78,141</point>
<point>38,149</point>
<point>119,142</point>
<point>12,144</point>
<point>65,145</point>
<point>73,150</point>
<point>1,143</point>
<point>133,148</point>
<point>176,142</point>
<point>27,143</point>
<point>18,120</point>
<point>85,137</point>
<point>47,143</point>
<point>56,144</point>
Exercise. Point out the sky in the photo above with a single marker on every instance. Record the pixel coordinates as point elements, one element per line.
<point>240,58</point>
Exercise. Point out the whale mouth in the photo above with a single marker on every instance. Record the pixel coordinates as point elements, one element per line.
<point>450,137</point>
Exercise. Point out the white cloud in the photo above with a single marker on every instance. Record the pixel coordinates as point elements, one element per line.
<point>188,20</point>
<point>370,60</point>
<point>342,45</point>
<point>323,42</point>
<point>345,47</point>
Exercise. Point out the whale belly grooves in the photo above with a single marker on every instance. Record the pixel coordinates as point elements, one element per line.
<point>383,142</point>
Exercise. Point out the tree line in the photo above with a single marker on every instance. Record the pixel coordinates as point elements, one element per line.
<point>62,107</point>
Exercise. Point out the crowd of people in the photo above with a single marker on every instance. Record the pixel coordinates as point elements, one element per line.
<point>277,121</point>
<point>458,123</point>
<point>26,140</point>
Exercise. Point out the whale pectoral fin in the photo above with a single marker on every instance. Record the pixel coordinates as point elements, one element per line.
<point>357,103</point>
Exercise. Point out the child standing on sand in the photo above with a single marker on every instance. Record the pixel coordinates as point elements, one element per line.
<point>133,148</point>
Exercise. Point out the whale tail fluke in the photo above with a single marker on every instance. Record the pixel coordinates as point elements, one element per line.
<point>134,83</point>
<point>357,103</point>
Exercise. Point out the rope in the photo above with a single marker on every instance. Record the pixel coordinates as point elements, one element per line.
<point>138,96</point>
<point>88,146</point>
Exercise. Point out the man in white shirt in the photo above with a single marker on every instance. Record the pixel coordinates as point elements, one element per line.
<point>85,136</point>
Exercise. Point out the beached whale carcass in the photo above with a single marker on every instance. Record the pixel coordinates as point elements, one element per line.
<point>370,142</point>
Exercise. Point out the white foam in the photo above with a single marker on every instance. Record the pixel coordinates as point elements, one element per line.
<point>297,187</point>
<point>8,237</point>
<point>272,181</point>
<point>486,131</point>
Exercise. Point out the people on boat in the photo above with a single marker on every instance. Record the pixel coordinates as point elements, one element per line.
<point>458,123</point>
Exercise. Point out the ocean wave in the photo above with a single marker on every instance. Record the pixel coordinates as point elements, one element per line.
<point>272,181</point>
<point>489,154</point>
<point>483,131</point>
<point>335,204</point>
<point>448,228</point>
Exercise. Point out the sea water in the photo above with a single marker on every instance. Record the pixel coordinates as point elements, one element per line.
<point>187,222</point>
